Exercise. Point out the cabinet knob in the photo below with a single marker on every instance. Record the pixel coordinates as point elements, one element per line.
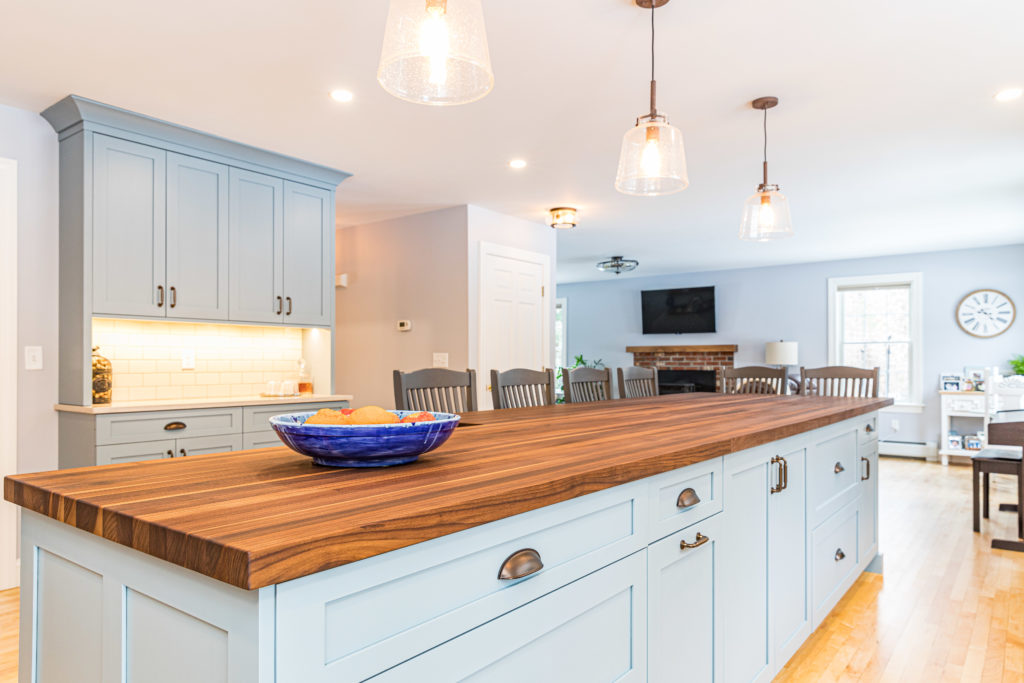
<point>840,555</point>
<point>839,468</point>
<point>869,428</point>
<point>519,564</point>
<point>183,453</point>
<point>174,426</point>
<point>687,498</point>
<point>700,540</point>
<point>170,454</point>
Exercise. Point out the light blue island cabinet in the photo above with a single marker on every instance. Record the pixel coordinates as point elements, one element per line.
<point>716,571</point>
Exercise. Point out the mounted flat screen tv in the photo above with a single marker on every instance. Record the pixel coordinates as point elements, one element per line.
<point>678,311</point>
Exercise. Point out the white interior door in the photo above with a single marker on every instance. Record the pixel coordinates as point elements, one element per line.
<point>8,365</point>
<point>514,314</point>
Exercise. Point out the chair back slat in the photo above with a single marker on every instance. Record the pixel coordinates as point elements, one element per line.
<point>754,379</point>
<point>637,382</point>
<point>522,388</point>
<point>436,390</point>
<point>586,384</point>
<point>840,381</point>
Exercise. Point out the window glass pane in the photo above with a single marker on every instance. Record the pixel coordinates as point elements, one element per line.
<point>875,332</point>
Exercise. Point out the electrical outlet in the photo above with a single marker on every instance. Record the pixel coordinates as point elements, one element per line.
<point>440,359</point>
<point>403,325</point>
<point>188,359</point>
<point>33,357</point>
<point>895,425</point>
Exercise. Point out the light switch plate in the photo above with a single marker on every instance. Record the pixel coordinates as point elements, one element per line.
<point>188,359</point>
<point>33,357</point>
<point>403,325</point>
<point>440,359</point>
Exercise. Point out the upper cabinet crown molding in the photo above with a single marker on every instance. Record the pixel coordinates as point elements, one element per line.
<point>75,113</point>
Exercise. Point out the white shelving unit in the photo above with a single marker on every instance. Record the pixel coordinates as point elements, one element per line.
<point>975,405</point>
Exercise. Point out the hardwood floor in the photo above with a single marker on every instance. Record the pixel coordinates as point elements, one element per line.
<point>948,607</point>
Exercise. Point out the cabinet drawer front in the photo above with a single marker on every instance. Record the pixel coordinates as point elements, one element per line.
<point>834,558</point>
<point>833,473</point>
<point>261,440</point>
<point>965,404</point>
<point>135,452</point>
<point>591,630</point>
<point>685,496</point>
<point>355,621</point>
<point>257,418</point>
<point>132,427</point>
<point>204,445</point>
<point>867,428</point>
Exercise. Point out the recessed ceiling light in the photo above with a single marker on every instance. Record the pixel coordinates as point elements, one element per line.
<point>1009,94</point>
<point>341,95</point>
<point>517,163</point>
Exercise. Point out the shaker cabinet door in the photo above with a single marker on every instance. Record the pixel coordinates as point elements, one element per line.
<point>787,560</point>
<point>308,255</point>
<point>256,221</point>
<point>197,238</point>
<point>129,229</point>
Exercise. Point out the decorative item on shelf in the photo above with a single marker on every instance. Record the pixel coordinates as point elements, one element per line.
<point>985,313</point>
<point>766,212</point>
<point>955,442</point>
<point>562,217</point>
<point>950,382</point>
<point>977,375</point>
<point>1017,363</point>
<point>974,442</point>
<point>305,383</point>
<point>966,385</point>
<point>102,378</point>
<point>617,264</point>
<point>652,161</point>
<point>780,353</point>
<point>435,52</point>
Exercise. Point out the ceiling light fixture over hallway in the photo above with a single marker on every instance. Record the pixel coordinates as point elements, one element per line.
<point>652,161</point>
<point>617,264</point>
<point>766,212</point>
<point>435,52</point>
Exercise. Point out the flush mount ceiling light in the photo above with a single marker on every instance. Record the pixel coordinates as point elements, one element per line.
<point>617,264</point>
<point>1009,94</point>
<point>342,95</point>
<point>562,218</point>
<point>652,161</point>
<point>435,52</point>
<point>517,164</point>
<point>766,212</point>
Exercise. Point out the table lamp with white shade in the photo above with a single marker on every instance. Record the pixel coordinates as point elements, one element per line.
<point>780,353</point>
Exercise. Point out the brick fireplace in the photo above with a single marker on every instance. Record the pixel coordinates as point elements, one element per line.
<point>702,357</point>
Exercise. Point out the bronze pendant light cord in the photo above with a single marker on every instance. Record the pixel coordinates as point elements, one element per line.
<point>654,108</point>
<point>766,146</point>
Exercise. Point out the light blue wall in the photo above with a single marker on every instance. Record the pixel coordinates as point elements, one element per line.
<point>757,305</point>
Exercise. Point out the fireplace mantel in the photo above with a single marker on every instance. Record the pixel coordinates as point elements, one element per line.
<point>707,348</point>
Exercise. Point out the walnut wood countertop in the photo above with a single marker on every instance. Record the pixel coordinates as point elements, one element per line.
<point>256,518</point>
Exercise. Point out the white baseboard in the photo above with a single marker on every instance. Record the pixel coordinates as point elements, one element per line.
<point>906,449</point>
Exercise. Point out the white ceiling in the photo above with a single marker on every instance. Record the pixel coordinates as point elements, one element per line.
<point>887,139</point>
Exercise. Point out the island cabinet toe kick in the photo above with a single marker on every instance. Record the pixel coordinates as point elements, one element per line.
<point>715,571</point>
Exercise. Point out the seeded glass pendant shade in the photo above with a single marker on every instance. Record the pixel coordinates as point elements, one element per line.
<point>652,161</point>
<point>766,212</point>
<point>435,52</point>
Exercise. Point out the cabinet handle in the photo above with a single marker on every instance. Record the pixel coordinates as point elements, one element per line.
<point>174,297</point>
<point>519,564</point>
<point>280,305</point>
<point>777,460</point>
<point>174,426</point>
<point>867,462</point>
<point>840,555</point>
<point>183,453</point>
<point>838,469</point>
<point>700,540</point>
<point>687,498</point>
<point>785,473</point>
<point>170,454</point>
<point>289,300</point>
<point>159,296</point>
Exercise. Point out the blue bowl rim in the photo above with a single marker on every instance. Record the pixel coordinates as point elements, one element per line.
<point>439,419</point>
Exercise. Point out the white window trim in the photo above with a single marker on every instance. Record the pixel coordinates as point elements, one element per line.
<point>563,362</point>
<point>916,282</point>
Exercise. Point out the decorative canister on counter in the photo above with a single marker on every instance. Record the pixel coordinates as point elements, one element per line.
<point>102,377</point>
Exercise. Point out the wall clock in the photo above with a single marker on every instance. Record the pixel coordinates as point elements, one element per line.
<point>985,313</point>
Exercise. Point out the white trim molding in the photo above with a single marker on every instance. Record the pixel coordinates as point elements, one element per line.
<point>8,364</point>
<point>916,283</point>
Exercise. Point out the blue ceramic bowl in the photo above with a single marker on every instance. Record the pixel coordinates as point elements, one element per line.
<point>364,445</point>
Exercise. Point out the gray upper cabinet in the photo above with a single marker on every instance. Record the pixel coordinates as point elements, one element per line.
<point>197,238</point>
<point>129,228</point>
<point>257,226</point>
<point>307,255</point>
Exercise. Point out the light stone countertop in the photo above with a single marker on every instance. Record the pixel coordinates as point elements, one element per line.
<point>185,404</point>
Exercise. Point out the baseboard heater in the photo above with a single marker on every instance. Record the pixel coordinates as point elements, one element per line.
<point>909,449</point>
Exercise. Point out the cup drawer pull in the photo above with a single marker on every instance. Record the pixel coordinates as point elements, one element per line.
<point>519,564</point>
<point>700,540</point>
<point>174,426</point>
<point>838,469</point>
<point>687,498</point>
<point>840,555</point>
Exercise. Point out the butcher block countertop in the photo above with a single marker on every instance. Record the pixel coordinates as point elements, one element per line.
<point>261,517</point>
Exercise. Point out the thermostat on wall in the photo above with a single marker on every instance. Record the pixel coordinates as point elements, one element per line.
<point>404,325</point>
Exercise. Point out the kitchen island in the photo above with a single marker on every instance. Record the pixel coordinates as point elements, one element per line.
<point>612,541</point>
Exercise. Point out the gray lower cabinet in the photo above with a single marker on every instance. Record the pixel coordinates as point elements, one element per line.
<point>135,452</point>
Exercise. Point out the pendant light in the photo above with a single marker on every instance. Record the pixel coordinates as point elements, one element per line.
<point>617,264</point>
<point>766,212</point>
<point>435,52</point>
<point>652,161</point>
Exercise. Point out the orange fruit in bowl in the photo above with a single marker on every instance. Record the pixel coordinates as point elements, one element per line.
<point>419,417</point>
<point>326,416</point>
<point>372,415</point>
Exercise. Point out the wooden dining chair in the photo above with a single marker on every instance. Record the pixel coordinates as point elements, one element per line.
<point>436,390</point>
<point>839,380</point>
<point>522,388</point>
<point>586,384</point>
<point>754,379</point>
<point>637,382</point>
